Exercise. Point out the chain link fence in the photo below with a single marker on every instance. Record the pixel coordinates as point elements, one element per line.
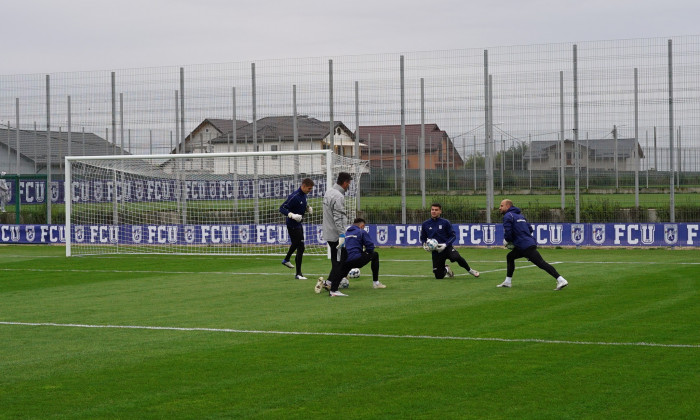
<point>592,131</point>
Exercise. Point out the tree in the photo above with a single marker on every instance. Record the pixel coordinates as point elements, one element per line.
<point>477,158</point>
<point>512,157</point>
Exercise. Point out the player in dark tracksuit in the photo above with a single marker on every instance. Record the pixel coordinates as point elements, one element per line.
<point>441,230</point>
<point>517,233</point>
<point>294,208</point>
<point>360,252</point>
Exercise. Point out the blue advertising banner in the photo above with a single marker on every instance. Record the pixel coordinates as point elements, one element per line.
<point>545,234</point>
<point>34,191</point>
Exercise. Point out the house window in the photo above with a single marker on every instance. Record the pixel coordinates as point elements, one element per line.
<point>273,148</point>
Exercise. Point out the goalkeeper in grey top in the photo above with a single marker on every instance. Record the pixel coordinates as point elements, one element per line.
<point>517,233</point>
<point>294,208</point>
<point>441,230</point>
<point>335,220</point>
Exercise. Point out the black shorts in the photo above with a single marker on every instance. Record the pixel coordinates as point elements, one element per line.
<point>296,235</point>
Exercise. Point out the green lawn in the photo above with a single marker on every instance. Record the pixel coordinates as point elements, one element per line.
<point>224,337</point>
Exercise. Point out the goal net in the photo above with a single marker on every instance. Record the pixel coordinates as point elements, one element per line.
<point>208,203</point>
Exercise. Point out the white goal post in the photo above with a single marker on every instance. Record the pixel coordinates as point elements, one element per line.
<point>198,203</point>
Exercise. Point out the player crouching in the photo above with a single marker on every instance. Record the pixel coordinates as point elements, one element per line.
<point>437,237</point>
<point>360,252</point>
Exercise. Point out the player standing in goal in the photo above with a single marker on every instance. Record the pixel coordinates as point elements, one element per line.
<point>441,230</point>
<point>294,208</point>
<point>517,233</point>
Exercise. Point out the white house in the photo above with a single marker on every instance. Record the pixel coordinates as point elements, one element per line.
<point>33,149</point>
<point>199,140</point>
<point>269,134</point>
<point>594,154</point>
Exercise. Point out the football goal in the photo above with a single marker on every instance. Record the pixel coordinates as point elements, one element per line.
<point>206,203</point>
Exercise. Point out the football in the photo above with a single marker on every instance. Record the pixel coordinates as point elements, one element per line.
<point>431,244</point>
<point>354,273</point>
<point>344,283</point>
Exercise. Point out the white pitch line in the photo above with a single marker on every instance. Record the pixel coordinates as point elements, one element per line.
<point>226,273</point>
<point>229,273</point>
<point>313,277</point>
<point>63,270</point>
<point>73,270</point>
<point>421,337</point>
<point>240,273</point>
<point>635,262</point>
<point>12,257</point>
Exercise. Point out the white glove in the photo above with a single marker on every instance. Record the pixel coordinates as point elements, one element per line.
<point>440,247</point>
<point>341,240</point>
<point>309,209</point>
<point>510,245</point>
<point>425,246</point>
<point>294,216</point>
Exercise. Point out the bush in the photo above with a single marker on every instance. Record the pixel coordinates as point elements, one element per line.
<point>455,208</point>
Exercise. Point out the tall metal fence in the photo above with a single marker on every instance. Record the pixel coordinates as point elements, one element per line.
<point>543,123</point>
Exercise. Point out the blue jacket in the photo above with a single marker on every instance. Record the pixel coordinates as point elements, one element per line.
<point>295,203</point>
<point>357,242</point>
<point>517,230</point>
<point>439,229</point>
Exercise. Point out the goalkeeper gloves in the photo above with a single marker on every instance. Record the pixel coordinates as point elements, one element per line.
<point>440,247</point>
<point>510,245</point>
<point>425,246</point>
<point>341,240</point>
<point>294,216</point>
<point>309,209</point>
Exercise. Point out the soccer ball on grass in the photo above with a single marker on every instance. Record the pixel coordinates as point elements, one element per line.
<point>354,273</point>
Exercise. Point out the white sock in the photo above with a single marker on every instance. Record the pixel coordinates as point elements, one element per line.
<point>376,282</point>
<point>560,278</point>
<point>508,279</point>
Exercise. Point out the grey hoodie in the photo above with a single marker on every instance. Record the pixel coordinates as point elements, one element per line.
<point>335,218</point>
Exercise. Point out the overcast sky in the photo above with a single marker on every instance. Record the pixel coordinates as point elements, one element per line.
<point>49,36</point>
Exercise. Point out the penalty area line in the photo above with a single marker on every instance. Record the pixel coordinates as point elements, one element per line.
<point>336,334</point>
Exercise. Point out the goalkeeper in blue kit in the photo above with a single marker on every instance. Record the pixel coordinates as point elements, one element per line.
<point>294,207</point>
<point>517,233</point>
<point>441,230</point>
<point>360,252</point>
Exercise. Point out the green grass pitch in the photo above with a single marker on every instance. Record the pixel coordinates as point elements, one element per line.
<point>237,337</point>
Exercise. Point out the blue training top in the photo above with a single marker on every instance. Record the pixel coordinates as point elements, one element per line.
<point>295,203</point>
<point>516,229</point>
<point>357,242</point>
<point>439,229</point>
